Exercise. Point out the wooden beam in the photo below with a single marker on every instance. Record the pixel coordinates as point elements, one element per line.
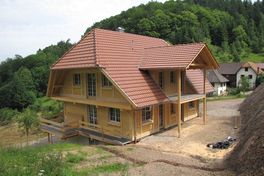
<point>135,127</point>
<point>179,101</point>
<point>204,100</point>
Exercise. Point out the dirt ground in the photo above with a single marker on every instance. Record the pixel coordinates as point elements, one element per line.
<point>166,154</point>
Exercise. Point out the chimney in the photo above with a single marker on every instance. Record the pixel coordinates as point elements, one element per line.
<point>120,29</point>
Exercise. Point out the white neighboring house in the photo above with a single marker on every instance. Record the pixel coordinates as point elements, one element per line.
<point>218,82</point>
<point>249,70</point>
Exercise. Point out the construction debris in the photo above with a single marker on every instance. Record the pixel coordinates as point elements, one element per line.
<point>247,157</point>
<point>225,144</point>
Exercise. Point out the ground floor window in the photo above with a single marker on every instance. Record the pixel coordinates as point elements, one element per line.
<point>92,114</point>
<point>172,108</point>
<point>146,114</point>
<point>114,114</point>
<point>191,105</point>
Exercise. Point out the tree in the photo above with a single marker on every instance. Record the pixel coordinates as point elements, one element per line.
<point>244,84</point>
<point>27,120</point>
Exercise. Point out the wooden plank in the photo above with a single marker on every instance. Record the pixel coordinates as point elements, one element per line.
<point>51,122</point>
<point>95,102</point>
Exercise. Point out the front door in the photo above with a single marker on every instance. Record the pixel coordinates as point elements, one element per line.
<point>161,116</point>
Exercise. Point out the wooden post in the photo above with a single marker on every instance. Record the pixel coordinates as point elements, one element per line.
<point>204,99</point>
<point>179,102</point>
<point>135,127</point>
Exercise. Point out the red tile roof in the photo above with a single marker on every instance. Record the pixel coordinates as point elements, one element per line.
<point>119,55</point>
<point>176,56</point>
<point>195,77</point>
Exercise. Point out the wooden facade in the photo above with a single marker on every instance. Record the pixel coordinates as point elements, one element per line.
<point>131,125</point>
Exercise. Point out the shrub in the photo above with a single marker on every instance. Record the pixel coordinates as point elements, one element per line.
<point>7,115</point>
<point>233,91</point>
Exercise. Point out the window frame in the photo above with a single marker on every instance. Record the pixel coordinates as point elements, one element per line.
<point>92,114</point>
<point>91,85</point>
<point>172,109</point>
<point>146,114</point>
<point>105,82</point>
<point>78,83</point>
<point>161,80</point>
<point>250,76</point>
<point>114,115</point>
<point>191,105</point>
<point>172,77</point>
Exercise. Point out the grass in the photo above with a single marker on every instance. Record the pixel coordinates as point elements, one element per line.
<point>57,159</point>
<point>107,168</point>
<point>228,97</point>
<point>254,57</point>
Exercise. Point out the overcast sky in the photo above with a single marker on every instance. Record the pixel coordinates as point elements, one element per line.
<point>27,25</point>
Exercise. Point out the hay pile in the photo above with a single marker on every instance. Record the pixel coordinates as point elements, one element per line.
<point>248,156</point>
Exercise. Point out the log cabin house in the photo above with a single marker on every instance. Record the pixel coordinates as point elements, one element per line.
<point>119,87</point>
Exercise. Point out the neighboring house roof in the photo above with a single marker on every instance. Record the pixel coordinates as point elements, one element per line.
<point>195,78</point>
<point>233,68</point>
<point>260,65</point>
<point>118,55</point>
<point>229,68</point>
<point>253,66</point>
<point>175,56</point>
<point>214,76</point>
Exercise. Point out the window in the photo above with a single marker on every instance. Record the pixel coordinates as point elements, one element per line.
<point>76,79</point>
<point>249,76</point>
<point>242,76</point>
<point>92,114</point>
<point>105,82</point>
<point>246,69</point>
<point>161,79</point>
<point>172,108</point>
<point>91,81</point>
<point>172,77</point>
<point>191,105</point>
<point>146,114</point>
<point>114,114</point>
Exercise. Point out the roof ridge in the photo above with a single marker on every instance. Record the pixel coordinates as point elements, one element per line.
<point>82,38</point>
<point>182,44</point>
<point>128,33</point>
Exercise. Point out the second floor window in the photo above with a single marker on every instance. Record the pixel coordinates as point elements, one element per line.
<point>76,79</point>
<point>106,82</point>
<point>161,81</point>
<point>114,114</point>
<point>246,69</point>
<point>172,77</point>
<point>146,114</point>
<point>91,84</point>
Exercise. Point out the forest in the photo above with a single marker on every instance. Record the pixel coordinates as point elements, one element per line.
<point>233,29</point>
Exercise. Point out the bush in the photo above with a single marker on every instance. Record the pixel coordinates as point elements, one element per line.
<point>233,91</point>
<point>7,115</point>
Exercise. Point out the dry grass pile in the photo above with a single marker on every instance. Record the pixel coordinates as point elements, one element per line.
<point>248,156</point>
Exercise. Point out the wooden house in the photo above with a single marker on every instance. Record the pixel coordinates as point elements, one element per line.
<point>119,87</point>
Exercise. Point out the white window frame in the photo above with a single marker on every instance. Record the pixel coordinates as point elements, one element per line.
<point>92,114</point>
<point>105,82</point>
<point>114,115</point>
<point>146,114</point>
<point>91,86</point>
<point>76,79</point>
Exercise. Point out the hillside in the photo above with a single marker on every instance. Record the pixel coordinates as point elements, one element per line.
<point>232,28</point>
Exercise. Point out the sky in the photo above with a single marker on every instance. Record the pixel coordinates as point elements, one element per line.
<point>27,25</point>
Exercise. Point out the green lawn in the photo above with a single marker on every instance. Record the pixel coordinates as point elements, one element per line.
<point>61,159</point>
<point>254,57</point>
